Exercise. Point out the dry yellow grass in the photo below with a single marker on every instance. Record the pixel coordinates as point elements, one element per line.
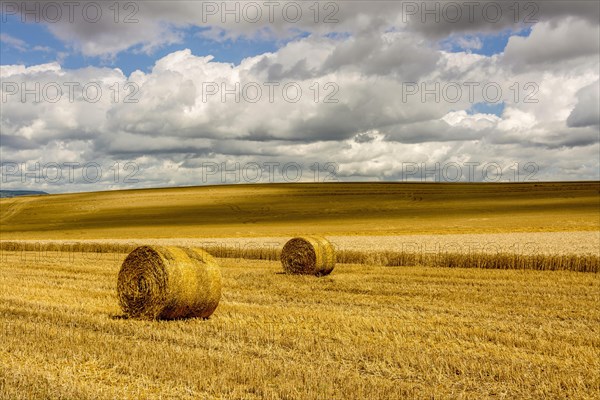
<point>380,333</point>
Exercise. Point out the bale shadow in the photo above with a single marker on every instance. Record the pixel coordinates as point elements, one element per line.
<point>126,317</point>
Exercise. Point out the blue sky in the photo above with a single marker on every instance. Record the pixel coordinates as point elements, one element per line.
<point>490,43</point>
<point>43,47</point>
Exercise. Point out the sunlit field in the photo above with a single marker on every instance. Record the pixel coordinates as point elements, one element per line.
<point>499,298</point>
<point>289,209</point>
<point>361,332</point>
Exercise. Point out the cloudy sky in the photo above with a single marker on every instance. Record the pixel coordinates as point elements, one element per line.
<point>107,95</point>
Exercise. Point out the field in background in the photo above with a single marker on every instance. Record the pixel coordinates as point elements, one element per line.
<point>362,332</point>
<point>289,209</point>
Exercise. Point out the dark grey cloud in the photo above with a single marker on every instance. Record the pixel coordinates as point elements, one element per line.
<point>492,16</point>
<point>394,54</point>
<point>158,23</point>
<point>553,42</point>
<point>17,142</point>
<point>364,138</point>
<point>433,131</point>
<point>569,137</point>
<point>587,110</point>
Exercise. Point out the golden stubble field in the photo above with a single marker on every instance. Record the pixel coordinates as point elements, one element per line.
<point>361,332</point>
<point>367,331</point>
<point>336,209</point>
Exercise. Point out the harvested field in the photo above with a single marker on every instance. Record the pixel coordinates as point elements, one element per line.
<point>500,329</point>
<point>380,333</point>
<point>287,210</point>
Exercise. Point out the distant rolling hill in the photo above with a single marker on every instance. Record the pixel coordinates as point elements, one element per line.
<point>291,209</point>
<point>18,193</point>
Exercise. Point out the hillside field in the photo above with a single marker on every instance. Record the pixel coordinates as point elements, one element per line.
<point>289,209</point>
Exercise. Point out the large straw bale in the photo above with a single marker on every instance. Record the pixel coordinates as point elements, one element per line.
<point>308,255</point>
<point>169,283</point>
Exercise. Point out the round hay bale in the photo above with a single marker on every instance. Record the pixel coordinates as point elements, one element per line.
<point>308,255</point>
<point>169,283</point>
